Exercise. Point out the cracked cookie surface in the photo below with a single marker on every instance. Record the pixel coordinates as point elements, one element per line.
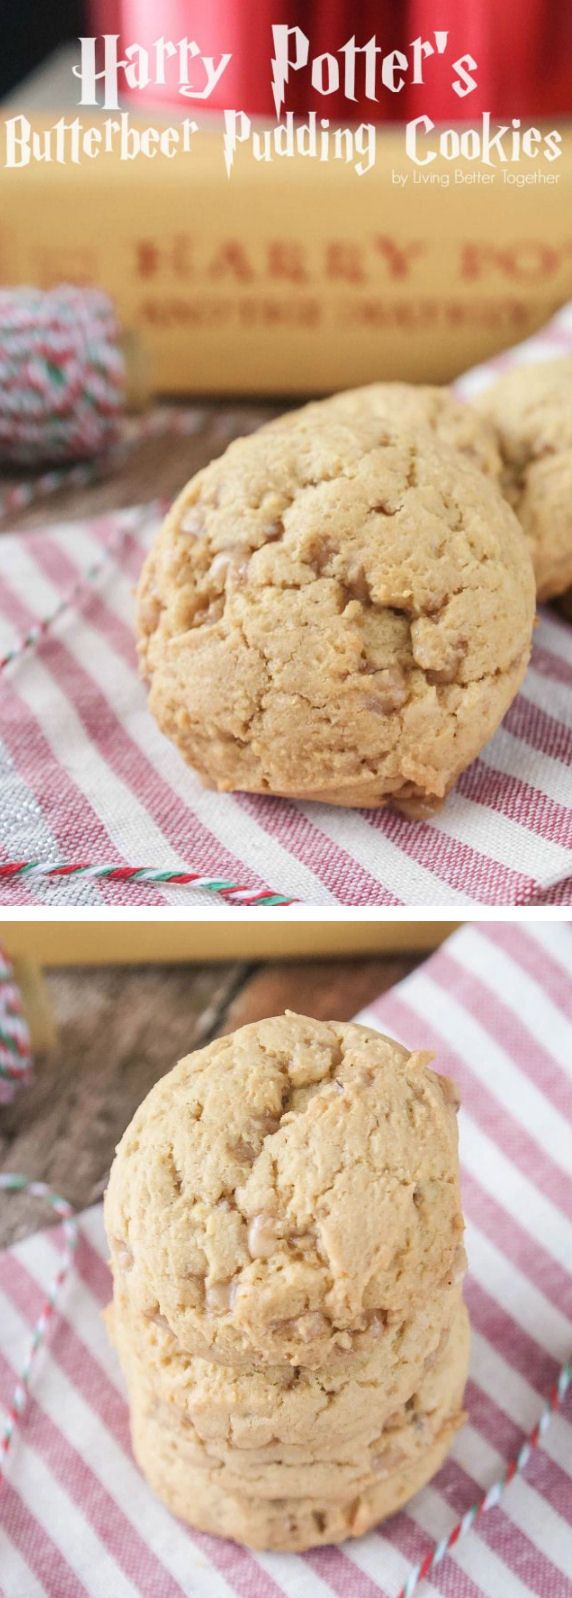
<point>416,407</point>
<point>531,408</point>
<point>337,609</point>
<point>286,1192</point>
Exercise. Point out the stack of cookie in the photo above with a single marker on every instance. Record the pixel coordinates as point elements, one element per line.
<point>285,1229</point>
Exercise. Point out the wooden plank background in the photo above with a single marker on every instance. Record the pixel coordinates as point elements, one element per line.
<point>120,1028</point>
<point>158,467</point>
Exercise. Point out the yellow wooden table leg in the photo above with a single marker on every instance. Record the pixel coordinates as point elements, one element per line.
<point>35,999</point>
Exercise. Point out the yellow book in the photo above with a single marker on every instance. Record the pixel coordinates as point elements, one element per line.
<point>126,942</point>
<point>292,275</point>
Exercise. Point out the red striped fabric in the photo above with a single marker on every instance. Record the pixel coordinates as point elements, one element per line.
<point>76,1517</point>
<point>86,778</point>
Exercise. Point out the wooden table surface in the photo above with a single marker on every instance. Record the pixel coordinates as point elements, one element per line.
<point>119,1029</point>
<point>158,467</point>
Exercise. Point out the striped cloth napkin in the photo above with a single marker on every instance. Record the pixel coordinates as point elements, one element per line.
<point>76,1518</point>
<point>91,791</point>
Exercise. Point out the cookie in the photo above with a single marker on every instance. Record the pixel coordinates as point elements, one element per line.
<point>531,408</point>
<point>338,609</point>
<point>414,407</point>
<point>311,1435</point>
<point>286,1191</point>
<point>281,1404</point>
<point>283,1524</point>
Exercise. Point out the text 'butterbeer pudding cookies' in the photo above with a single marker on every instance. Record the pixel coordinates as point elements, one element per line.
<point>341,607</point>
<point>531,409</point>
<point>285,1229</point>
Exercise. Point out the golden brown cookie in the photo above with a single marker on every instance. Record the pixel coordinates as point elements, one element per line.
<point>337,609</point>
<point>301,1433</point>
<point>287,1190</point>
<point>413,407</point>
<point>228,1405</point>
<point>284,1524</point>
<point>531,408</point>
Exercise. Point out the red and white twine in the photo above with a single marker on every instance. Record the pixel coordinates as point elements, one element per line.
<point>12,1182</point>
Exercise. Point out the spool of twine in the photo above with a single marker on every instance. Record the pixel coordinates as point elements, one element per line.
<point>63,376</point>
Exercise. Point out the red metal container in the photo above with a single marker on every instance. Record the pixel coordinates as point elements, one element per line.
<point>219,27</point>
<point>523,51</point>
